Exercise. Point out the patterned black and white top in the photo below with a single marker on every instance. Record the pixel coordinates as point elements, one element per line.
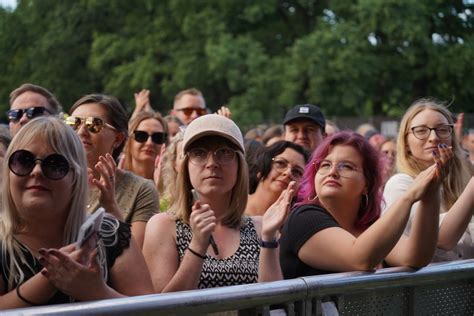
<point>240,268</point>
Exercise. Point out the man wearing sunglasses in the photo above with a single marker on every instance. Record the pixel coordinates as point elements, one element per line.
<point>27,102</point>
<point>188,105</point>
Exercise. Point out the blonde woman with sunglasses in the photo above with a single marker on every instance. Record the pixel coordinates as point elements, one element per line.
<point>148,136</point>
<point>102,125</point>
<point>45,194</point>
<point>426,129</point>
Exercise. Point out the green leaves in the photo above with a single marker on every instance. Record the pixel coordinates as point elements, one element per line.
<point>359,58</point>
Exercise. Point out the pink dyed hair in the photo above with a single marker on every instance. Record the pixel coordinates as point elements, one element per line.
<point>372,168</point>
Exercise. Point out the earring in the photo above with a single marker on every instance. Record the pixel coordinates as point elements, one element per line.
<point>313,199</point>
<point>366,200</point>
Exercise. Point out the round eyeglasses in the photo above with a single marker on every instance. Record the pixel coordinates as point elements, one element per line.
<point>345,169</point>
<point>54,167</point>
<point>281,165</point>
<point>200,156</point>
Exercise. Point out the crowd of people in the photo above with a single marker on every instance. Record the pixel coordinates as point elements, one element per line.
<point>191,203</point>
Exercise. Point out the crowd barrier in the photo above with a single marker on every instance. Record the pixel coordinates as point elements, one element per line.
<point>439,289</point>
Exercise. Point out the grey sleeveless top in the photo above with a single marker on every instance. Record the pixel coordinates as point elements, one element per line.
<point>240,268</point>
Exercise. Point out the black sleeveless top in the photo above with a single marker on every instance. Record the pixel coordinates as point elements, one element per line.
<point>114,246</point>
<point>240,268</point>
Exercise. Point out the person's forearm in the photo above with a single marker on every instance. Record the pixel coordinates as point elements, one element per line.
<point>269,268</point>
<point>421,243</point>
<point>373,245</point>
<point>189,272</point>
<point>457,219</point>
<point>37,290</point>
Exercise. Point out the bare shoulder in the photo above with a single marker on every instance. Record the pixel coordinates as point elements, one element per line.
<point>161,222</point>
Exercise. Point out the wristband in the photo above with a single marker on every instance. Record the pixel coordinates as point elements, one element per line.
<point>269,244</point>
<point>197,254</point>
<point>21,296</point>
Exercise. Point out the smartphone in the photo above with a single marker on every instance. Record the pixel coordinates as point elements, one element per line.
<point>91,225</point>
<point>211,239</point>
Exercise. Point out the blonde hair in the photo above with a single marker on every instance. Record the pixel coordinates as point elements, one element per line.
<point>459,173</point>
<point>168,174</point>
<point>132,126</point>
<point>182,205</point>
<point>62,139</point>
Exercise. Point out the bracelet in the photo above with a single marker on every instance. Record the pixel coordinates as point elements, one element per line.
<point>197,254</point>
<point>269,244</point>
<point>21,297</point>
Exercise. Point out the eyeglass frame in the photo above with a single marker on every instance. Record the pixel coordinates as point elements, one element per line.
<point>163,136</point>
<point>451,126</point>
<point>42,162</point>
<point>288,165</point>
<point>338,168</point>
<point>28,112</point>
<point>85,119</point>
<point>214,152</point>
<point>199,111</point>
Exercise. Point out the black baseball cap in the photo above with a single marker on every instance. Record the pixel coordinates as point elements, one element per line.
<point>306,111</point>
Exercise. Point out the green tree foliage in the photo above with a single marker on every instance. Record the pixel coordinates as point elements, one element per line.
<point>367,57</point>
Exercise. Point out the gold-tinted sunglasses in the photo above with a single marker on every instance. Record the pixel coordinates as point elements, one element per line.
<point>93,124</point>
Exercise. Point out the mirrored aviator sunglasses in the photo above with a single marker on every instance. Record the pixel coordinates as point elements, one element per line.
<point>54,167</point>
<point>157,137</point>
<point>93,124</point>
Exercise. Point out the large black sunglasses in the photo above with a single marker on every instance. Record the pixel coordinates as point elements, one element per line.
<point>16,115</point>
<point>157,137</point>
<point>54,167</point>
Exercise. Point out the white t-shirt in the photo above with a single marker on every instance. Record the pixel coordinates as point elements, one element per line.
<point>395,187</point>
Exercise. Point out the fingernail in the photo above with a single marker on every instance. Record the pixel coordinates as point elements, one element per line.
<point>434,153</point>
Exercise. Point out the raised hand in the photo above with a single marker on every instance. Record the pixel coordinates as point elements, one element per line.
<point>106,168</point>
<point>275,216</point>
<point>142,100</point>
<point>157,172</point>
<point>224,111</point>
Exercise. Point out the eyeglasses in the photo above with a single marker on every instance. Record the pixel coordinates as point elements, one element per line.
<point>345,169</point>
<point>190,111</point>
<point>93,124</point>
<point>281,165</point>
<point>16,115</point>
<point>423,132</point>
<point>200,156</point>
<point>157,137</point>
<point>54,167</point>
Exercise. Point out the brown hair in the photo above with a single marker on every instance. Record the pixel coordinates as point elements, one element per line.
<point>29,87</point>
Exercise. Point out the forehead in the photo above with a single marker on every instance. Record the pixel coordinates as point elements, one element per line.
<point>292,156</point>
<point>388,145</point>
<point>190,101</point>
<point>429,117</point>
<point>91,109</point>
<point>344,153</point>
<point>38,146</point>
<point>302,124</point>
<point>150,125</point>
<point>29,99</point>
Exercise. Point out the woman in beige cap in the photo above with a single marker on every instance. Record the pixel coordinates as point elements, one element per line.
<point>208,242</point>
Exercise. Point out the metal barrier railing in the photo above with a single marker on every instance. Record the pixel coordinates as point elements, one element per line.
<point>437,289</point>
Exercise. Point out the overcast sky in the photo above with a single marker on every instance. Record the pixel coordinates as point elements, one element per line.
<point>8,3</point>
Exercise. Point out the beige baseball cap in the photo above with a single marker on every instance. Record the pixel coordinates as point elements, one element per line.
<point>213,125</point>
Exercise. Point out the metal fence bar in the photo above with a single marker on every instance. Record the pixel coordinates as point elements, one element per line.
<point>403,290</point>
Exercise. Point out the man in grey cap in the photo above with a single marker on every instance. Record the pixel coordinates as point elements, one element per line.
<point>304,125</point>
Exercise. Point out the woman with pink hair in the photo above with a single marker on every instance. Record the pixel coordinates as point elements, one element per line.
<point>335,226</point>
